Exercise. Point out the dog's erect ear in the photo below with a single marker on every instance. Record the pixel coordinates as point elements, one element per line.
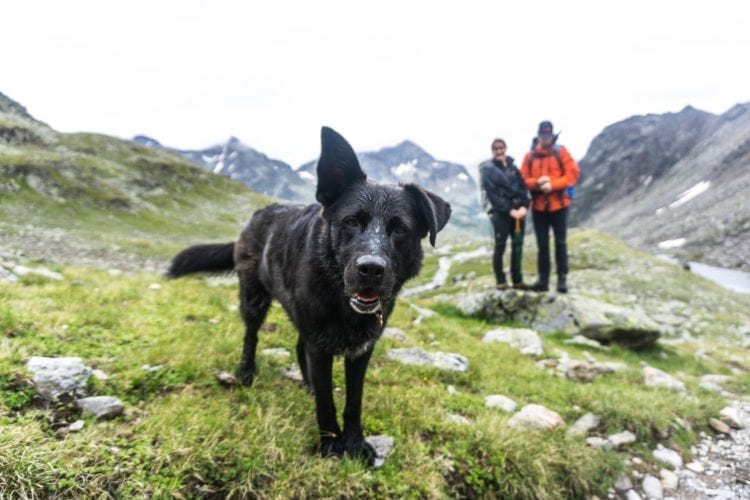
<point>338,167</point>
<point>434,210</point>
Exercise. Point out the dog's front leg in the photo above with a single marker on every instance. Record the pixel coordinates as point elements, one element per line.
<point>354,441</point>
<point>320,369</point>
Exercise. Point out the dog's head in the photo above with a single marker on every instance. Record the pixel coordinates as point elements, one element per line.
<point>374,231</point>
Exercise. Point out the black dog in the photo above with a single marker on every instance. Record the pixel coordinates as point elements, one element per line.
<point>336,268</point>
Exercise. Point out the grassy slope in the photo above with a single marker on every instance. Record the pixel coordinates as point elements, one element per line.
<point>183,434</point>
<point>108,196</point>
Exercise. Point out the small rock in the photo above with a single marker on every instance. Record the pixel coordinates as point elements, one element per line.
<point>293,373</point>
<point>719,426</point>
<point>668,456</point>
<point>420,357</point>
<point>395,334</point>
<point>538,416</point>
<point>452,390</point>
<point>76,426</point>
<point>54,376</point>
<point>731,416</point>
<point>669,480</point>
<point>151,368</point>
<point>383,445</point>
<point>498,401</point>
<point>696,467</point>
<point>458,419</point>
<point>585,424</point>
<point>621,438</point>
<point>652,487</point>
<point>102,407</point>
<point>226,378</point>
<point>38,271</point>
<point>99,375</point>
<point>276,352</point>
<point>623,483</point>
<point>632,495</point>
<point>653,377</point>
<point>523,340</point>
<point>599,442</point>
<point>154,287</point>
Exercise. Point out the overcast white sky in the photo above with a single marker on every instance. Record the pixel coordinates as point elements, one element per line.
<point>447,75</point>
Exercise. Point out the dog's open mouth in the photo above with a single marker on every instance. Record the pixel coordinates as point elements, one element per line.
<point>365,302</point>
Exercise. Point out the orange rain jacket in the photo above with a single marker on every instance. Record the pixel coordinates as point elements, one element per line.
<point>561,176</point>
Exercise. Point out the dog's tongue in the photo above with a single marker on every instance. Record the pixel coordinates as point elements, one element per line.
<point>367,296</point>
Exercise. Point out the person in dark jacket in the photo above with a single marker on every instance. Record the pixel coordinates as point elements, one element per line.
<point>506,200</point>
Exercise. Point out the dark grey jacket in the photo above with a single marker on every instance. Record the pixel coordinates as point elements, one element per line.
<point>503,188</point>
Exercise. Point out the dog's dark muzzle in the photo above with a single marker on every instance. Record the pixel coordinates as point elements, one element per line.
<point>367,280</point>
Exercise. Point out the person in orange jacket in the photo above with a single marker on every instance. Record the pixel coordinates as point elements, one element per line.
<point>549,170</point>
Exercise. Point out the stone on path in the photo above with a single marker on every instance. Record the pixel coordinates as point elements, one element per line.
<point>652,487</point>
<point>668,456</point>
<point>669,480</point>
<point>731,416</point>
<point>719,426</point>
<point>538,416</point>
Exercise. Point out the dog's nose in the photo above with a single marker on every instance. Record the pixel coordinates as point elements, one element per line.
<point>371,266</point>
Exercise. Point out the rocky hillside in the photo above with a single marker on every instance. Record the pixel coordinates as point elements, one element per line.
<point>407,162</point>
<point>674,183</point>
<point>80,197</point>
<point>244,164</point>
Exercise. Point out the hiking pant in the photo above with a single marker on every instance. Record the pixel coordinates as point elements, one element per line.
<point>503,226</point>
<point>558,221</point>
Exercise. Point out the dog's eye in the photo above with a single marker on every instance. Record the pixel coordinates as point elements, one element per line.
<point>400,229</point>
<point>351,221</point>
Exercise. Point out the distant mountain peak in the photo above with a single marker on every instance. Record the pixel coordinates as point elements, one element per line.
<point>147,141</point>
<point>8,105</point>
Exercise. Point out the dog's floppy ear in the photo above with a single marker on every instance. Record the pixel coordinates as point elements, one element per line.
<point>338,167</point>
<point>434,210</point>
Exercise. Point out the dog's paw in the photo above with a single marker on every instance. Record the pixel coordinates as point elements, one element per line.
<point>331,447</point>
<point>245,377</point>
<point>360,449</point>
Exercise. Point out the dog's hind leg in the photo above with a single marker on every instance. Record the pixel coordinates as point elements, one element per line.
<point>302,360</point>
<point>254,303</point>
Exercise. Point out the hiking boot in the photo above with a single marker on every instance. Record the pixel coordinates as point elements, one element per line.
<point>520,286</point>
<point>502,286</point>
<point>539,286</point>
<point>562,285</point>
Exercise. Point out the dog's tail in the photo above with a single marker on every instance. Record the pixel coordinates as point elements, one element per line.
<point>203,258</point>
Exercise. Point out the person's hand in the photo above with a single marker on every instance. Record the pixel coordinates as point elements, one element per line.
<point>542,180</point>
<point>546,187</point>
<point>522,212</point>
<point>514,213</point>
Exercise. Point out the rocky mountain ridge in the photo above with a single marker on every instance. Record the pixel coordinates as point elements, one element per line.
<point>674,183</point>
<point>244,164</point>
<point>404,163</point>
<point>407,162</point>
